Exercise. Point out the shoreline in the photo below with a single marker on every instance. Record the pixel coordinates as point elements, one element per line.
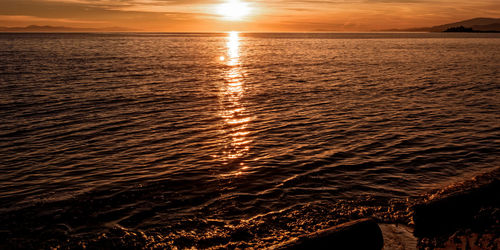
<point>474,227</point>
<point>460,216</point>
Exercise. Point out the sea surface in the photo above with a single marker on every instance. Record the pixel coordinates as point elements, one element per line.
<point>232,139</point>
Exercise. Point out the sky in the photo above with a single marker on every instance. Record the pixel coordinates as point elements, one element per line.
<point>243,15</point>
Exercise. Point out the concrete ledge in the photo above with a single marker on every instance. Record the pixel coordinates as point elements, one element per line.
<point>359,234</point>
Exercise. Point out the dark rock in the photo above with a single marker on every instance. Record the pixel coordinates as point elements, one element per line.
<point>359,234</point>
<point>456,210</point>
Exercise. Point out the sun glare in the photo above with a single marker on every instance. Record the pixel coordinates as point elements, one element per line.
<point>233,10</point>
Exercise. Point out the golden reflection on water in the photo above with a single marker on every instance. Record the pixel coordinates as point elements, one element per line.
<point>235,116</point>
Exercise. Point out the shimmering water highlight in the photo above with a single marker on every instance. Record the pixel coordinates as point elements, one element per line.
<point>235,140</point>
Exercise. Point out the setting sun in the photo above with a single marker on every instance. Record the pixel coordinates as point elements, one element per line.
<point>233,10</point>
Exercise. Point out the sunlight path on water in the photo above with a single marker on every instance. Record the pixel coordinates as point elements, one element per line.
<point>233,112</point>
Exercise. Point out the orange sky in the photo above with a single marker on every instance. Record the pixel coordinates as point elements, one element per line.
<point>263,16</point>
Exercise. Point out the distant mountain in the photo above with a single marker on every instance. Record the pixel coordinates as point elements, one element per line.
<point>479,24</point>
<point>37,28</point>
<point>476,24</point>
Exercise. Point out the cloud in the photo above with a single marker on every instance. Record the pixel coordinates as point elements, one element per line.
<point>128,3</point>
<point>98,14</point>
<point>34,19</point>
<point>271,15</point>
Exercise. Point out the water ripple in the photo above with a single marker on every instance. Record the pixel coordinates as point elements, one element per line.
<point>169,132</point>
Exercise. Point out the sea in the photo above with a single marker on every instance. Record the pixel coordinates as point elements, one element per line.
<point>234,140</point>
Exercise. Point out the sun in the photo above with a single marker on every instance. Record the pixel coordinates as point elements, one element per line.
<point>234,10</point>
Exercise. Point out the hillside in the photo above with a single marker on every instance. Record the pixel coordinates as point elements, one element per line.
<point>37,28</point>
<point>477,24</point>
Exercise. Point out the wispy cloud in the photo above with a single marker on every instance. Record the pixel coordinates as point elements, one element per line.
<point>34,19</point>
<point>200,15</point>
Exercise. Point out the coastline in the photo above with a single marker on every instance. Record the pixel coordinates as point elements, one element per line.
<point>475,228</point>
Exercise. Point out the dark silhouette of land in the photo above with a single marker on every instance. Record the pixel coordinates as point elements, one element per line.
<point>469,30</point>
<point>37,28</point>
<point>479,25</point>
<point>476,25</point>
